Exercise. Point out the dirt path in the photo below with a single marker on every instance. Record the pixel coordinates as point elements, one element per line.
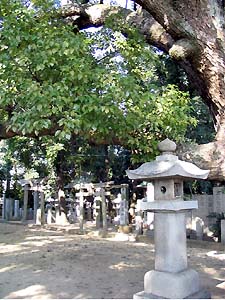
<point>42,264</point>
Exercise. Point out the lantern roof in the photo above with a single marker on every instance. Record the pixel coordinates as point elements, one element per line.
<point>167,165</point>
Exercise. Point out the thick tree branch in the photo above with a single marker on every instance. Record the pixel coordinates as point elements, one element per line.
<point>206,156</point>
<point>6,133</point>
<point>153,32</point>
<point>183,49</point>
<point>96,15</point>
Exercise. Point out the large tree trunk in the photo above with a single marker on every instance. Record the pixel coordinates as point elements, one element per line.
<point>63,210</point>
<point>197,27</point>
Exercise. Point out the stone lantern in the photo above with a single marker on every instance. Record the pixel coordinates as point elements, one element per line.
<point>171,277</point>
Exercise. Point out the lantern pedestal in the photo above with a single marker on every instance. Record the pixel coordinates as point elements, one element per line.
<point>171,278</point>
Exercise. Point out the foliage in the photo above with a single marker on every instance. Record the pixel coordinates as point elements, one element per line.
<point>52,78</point>
<point>204,132</point>
<point>152,111</point>
<point>27,156</point>
<point>119,161</point>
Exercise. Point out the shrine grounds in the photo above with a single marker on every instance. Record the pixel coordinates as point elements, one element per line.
<point>39,263</point>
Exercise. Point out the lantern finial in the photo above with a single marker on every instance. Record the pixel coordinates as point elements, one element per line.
<point>167,146</point>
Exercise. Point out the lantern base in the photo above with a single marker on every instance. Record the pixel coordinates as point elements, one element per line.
<point>165,285</point>
<point>202,294</point>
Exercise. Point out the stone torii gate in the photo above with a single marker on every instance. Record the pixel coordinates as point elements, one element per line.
<point>99,191</point>
<point>93,189</point>
<point>171,277</point>
<point>37,187</point>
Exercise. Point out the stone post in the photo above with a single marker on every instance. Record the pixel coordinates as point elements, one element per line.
<point>104,211</point>
<point>197,227</point>
<point>49,215</point>
<point>25,202</point>
<point>124,205</point>
<point>57,215</point>
<point>3,206</point>
<point>17,209</point>
<point>97,208</point>
<point>42,207</point>
<point>223,231</point>
<point>138,219</point>
<point>117,208</point>
<point>21,213</point>
<point>38,217</point>
<point>81,217</point>
<point>36,203</point>
<point>8,208</point>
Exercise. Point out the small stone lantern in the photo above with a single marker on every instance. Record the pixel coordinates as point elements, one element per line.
<point>171,277</point>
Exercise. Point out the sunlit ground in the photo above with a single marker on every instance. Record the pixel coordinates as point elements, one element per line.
<point>43,264</point>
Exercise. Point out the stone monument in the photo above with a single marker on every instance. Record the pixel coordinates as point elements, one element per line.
<point>223,232</point>
<point>171,277</point>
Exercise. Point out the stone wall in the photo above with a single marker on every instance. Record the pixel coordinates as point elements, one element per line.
<point>219,199</point>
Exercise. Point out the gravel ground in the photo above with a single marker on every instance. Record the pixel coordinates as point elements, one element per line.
<point>39,263</point>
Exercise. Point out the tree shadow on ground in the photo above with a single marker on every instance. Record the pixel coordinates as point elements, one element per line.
<point>37,263</point>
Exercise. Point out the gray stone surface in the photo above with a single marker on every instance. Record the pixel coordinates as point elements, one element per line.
<point>36,203</point>
<point>38,217</point>
<point>8,208</point>
<point>169,205</point>
<point>167,146</point>
<point>97,214</point>
<point>49,215</point>
<point>25,202</point>
<point>169,190</point>
<point>150,198</point>
<point>123,211</point>
<point>223,232</point>
<point>202,294</point>
<point>81,217</point>
<point>163,169</point>
<point>42,196</point>
<point>104,211</point>
<point>199,228</point>
<point>171,285</point>
<point>16,209</point>
<point>170,242</point>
